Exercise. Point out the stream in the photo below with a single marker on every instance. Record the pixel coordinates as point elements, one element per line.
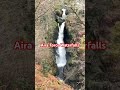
<point>61,51</point>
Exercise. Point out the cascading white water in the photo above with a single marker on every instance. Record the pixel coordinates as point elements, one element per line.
<point>64,13</point>
<point>61,58</point>
<point>61,51</point>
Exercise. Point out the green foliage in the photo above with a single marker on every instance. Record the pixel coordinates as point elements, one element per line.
<point>58,7</point>
<point>50,32</point>
<point>46,67</point>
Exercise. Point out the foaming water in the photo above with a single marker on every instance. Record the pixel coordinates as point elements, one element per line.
<point>61,57</point>
<point>61,51</point>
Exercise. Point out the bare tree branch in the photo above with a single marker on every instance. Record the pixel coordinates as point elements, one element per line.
<point>77,16</point>
<point>71,73</point>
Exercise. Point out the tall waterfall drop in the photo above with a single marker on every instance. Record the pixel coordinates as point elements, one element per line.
<point>61,51</point>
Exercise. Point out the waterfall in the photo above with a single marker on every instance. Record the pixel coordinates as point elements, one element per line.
<point>61,51</point>
<point>64,13</point>
<point>61,58</point>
